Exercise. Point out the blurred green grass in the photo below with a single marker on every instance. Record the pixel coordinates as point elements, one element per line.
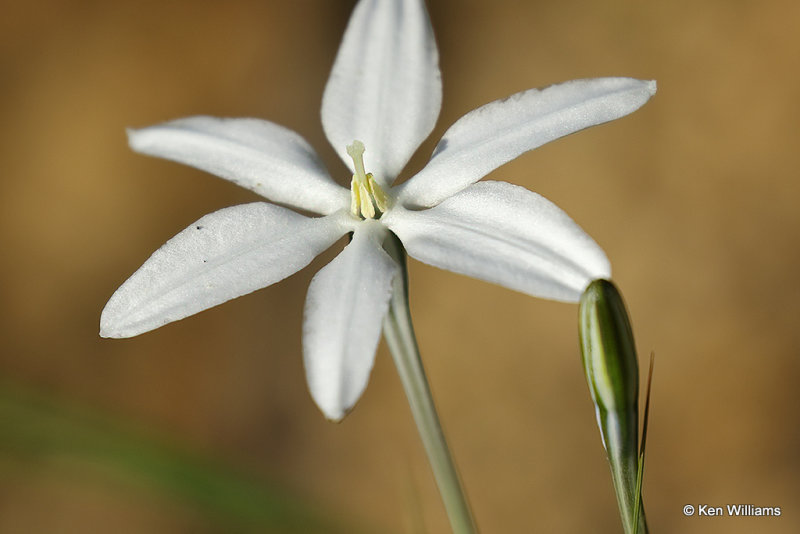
<point>41,432</point>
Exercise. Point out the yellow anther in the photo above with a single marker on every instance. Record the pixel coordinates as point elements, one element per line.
<point>377,194</point>
<point>365,205</point>
<point>355,197</point>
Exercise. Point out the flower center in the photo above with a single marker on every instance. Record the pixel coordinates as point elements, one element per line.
<point>367,199</point>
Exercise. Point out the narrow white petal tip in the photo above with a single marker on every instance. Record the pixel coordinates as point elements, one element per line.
<point>139,141</point>
<point>114,330</point>
<point>133,137</point>
<point>106,332</point>
<point>107,327</point>
<point>334,416</point>
<point>111,334</point>
<point>116,327</point>
<point>652,87</point>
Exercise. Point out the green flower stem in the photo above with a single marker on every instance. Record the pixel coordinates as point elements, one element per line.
<point>399,332</point>
<point>624,464</point>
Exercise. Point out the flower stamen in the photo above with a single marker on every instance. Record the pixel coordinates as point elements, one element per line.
<point>367,198</point>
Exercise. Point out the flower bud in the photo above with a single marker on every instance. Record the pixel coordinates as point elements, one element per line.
<point>607,348</point>
<point>612,373</point>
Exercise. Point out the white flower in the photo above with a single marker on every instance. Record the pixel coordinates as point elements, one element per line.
<point>380,103</point>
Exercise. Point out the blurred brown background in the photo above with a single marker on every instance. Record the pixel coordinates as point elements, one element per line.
<point>693,198</point>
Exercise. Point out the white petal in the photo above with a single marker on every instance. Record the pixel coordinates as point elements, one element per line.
<point>385,88</point>
<point>266,158</point>
<point>224,255</point>
<point>496,133</point>
<point>344,312</point>
<point>505,234</point>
